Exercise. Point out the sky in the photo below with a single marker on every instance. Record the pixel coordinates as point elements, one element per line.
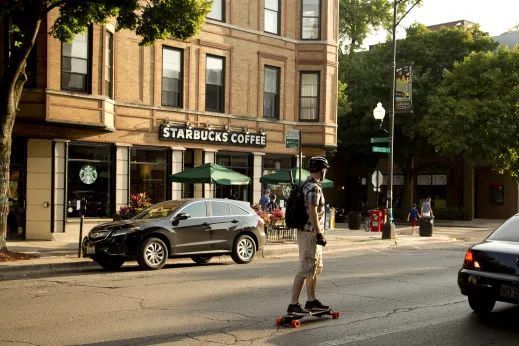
<point>494,16</point>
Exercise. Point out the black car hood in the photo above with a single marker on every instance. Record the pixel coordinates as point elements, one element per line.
<point>125,224</point>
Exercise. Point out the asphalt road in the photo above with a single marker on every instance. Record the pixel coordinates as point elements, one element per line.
<point>395,296</point>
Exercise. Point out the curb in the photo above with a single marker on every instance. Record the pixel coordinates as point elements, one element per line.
<point>48,267</point>
<point>268,252</point>
<point>290,249</point>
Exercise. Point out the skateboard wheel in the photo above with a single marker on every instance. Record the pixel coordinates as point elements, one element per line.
<point>295,323</point>
<point>335,315</point>
<point>280,321</point>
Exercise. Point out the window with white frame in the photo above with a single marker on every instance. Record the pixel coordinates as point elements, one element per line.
<point>272,17</point>
<point>271,92</point>
<point>217,11</point>
<point>310,19</point>
<point>171,77</point>
<point>309,96</point>
<point>75,61</point>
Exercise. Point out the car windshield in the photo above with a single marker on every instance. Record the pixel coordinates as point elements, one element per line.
<point>159,210</point>
<point>509,231</point>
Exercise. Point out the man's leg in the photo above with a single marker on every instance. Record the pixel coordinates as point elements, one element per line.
<point>310,288</point>
<point>299,282</point>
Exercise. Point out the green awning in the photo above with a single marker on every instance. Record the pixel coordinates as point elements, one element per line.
<point>210,173</point>
<point>283,177</point>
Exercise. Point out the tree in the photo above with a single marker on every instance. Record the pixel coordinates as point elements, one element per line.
<point>368,76</point>
<point>475,110</point>
<point>358,18</point>
<point>152,20</point>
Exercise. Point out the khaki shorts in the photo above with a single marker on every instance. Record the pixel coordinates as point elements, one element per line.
<point>310,255</point>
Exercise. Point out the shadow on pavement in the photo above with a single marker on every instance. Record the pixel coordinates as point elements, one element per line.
<point>131,268</point>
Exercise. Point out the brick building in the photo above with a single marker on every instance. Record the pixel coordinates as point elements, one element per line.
<point>103,117</point>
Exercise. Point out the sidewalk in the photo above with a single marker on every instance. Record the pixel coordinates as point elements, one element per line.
<point>62,256</point>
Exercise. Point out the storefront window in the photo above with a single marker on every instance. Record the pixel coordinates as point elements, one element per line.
<point>272,164</point>
<point>90,177</point>
<point>238,162</point>
<point>189,162</point>
<point>149,172</point>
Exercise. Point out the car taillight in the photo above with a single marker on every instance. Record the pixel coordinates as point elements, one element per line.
<point>261,221</point>
<point>470,262</point>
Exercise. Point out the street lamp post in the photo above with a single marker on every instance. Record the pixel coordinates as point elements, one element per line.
<point>389,227</point>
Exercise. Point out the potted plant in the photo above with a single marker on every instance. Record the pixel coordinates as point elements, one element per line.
<point>138,202</point>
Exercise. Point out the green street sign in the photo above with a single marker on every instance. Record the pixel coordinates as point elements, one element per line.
<point>292,139</point>
<point>380,150</point>
<point>380,140</point>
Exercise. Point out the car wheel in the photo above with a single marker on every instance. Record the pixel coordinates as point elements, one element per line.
<point>153,254</point>
<point>109,263</point>
<point>201,259</point>
<point>481,305</point>
<point>244,249</point>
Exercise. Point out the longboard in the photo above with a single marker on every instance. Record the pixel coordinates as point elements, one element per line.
<point>294,319</point>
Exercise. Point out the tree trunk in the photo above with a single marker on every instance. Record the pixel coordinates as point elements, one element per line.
<point>11,88</point>
<point>7,115</point>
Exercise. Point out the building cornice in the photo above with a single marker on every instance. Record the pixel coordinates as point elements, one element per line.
<point>264,34</point>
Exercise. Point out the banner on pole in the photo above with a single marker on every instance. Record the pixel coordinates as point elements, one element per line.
<point>404,89</point>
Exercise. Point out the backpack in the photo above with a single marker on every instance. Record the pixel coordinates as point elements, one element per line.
<point>296,215</point>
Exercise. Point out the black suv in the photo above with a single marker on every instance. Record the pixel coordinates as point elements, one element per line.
<point>196,228</point>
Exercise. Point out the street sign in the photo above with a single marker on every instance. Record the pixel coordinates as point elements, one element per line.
<point>379,150</point>
<point>380,140</point>
<point>377,178</point>
<point>292,139</point>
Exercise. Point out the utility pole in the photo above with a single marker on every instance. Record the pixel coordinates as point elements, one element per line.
<point>389,227</point>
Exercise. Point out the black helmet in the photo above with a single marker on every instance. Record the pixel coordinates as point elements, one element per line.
<point>316,163</point>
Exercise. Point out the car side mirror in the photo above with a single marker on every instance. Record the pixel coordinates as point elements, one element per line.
<point>181,216</point>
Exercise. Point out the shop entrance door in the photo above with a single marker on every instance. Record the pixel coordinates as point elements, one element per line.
<point>17,204</point>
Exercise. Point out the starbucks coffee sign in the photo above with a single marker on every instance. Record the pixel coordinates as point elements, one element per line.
<point>174,133</point>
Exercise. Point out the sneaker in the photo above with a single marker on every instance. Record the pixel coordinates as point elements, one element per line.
<point>315,305</point>
<point>296,309</point>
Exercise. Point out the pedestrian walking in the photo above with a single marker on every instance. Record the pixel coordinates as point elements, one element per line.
<point>271,205</point>
<point>413,216</point>
<point>310,239</point>
<point>426,208</point>
<point>265,199</point>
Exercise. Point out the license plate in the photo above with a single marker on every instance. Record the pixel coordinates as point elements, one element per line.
<point>90,250</point>
<point>510,291</point>
<point>375,223</point>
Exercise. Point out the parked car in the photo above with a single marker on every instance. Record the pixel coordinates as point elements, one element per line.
<point>196,228</point>
<point>490,270</point>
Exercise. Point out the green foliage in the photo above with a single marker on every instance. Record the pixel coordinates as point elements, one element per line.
<point>359,18</point>
<point>368,76</point>
<point>343,105</point>
<point>476,110</point>
<point>152,20</point>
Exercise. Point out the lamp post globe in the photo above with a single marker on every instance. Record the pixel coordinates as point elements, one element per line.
<point>379,112</point>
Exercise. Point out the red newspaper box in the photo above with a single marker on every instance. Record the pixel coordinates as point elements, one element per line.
<point>376,220</point>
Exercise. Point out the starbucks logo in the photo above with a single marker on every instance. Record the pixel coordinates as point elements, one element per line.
<point>286,191</point>
<point>88,174</point>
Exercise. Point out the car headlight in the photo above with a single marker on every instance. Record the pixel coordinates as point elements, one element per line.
<point>124,231</point>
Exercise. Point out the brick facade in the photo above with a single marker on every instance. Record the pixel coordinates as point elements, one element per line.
<point>131,118</point>
<point>135,113</point>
